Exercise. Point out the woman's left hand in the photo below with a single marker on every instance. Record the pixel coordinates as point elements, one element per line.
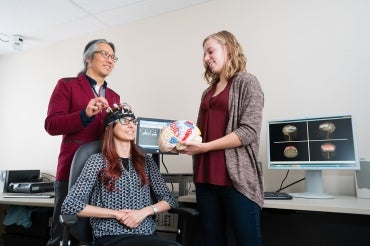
<point>132,218</point>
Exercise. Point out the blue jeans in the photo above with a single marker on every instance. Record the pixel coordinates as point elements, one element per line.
<point>223,208</point>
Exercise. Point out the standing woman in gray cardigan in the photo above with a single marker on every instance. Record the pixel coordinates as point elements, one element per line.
<point>228,178</point>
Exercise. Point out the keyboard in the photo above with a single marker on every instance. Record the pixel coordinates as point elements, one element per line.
<point>28,195</point>
<point>272,195</point>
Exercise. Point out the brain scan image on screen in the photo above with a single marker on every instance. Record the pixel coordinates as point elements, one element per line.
<point>328,150</point>
<point>290,151</point>
<point>327,128</point>
<point>312,144</point>
<point>290,132</point>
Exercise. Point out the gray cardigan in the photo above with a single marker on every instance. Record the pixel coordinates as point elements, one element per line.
<point>246,101</point>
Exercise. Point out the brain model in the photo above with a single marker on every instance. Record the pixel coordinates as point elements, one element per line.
<point>181,130</point>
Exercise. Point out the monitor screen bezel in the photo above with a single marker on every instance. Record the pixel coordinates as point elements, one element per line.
<point>353,164</point>
<point>147,149</point>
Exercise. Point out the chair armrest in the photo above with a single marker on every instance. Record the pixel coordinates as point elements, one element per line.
<point>184,211</point>
<point>68,220</point>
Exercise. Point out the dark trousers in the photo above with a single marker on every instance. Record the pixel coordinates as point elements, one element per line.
<point>223,206</point>
<point>134,240</point>
<point>56,232</point>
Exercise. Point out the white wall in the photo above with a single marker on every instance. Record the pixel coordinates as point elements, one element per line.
<point>311,57</point>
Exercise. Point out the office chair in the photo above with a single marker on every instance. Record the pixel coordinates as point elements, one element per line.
<point>79,227</point>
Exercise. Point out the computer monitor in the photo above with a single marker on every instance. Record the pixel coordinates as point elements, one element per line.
<point>148,131</point>
<point>313,145</point>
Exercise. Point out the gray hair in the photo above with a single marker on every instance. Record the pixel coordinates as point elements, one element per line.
<point>90,49</point>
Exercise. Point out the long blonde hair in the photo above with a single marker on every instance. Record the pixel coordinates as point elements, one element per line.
<point>236,61</point>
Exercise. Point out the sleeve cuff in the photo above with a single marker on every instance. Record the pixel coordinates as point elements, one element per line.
<point>85,120</point>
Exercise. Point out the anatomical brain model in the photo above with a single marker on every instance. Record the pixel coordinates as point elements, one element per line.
<point>181,130</point>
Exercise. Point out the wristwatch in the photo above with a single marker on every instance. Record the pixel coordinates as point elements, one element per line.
<point>155,209</point>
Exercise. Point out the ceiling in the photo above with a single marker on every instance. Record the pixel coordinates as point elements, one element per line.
<point>40,22</point>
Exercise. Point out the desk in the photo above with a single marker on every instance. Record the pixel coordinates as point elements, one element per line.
<point>38,233</point>
<point>36,202</point>
<point>183,179</point>
<point>340,204</point>
<point>343,220</point>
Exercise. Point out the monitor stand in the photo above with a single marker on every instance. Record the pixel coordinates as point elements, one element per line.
<point>314,186</point>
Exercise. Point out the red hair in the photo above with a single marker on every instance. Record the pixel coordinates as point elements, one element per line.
<point>112,172</point>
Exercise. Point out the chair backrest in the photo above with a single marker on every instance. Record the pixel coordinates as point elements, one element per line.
<point>82,230</point>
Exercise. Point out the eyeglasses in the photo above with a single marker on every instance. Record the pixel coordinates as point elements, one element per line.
<point>126,121</point>
<point>106,55</point>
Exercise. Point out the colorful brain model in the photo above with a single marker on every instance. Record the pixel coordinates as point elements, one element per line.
<point>181,130</point>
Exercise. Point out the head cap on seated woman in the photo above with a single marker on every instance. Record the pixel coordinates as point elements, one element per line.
<point>123,110</point>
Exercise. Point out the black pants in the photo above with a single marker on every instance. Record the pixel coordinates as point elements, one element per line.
<point>134,240</point>
<point>56,232</point>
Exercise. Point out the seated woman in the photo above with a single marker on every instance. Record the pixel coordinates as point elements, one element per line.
<point>120,183</point>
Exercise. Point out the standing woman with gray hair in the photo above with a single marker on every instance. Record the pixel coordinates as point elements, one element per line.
<point>76,112</point>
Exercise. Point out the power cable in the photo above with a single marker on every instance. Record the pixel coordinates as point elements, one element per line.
<point>286,175</point>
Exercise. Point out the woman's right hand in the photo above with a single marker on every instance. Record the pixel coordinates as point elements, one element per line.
<point>193,147</point>
<point>96,105</point>
<point>133,218</point>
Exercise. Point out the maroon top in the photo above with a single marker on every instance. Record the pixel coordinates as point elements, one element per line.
<point>213,120</point>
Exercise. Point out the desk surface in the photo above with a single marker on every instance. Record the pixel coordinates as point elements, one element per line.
<point>340,204</point>
<point>37,202</point>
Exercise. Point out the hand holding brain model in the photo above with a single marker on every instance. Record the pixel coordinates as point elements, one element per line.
<point>181,130</point>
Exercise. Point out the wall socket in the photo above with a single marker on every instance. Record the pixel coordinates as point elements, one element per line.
<point>166,222</point>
